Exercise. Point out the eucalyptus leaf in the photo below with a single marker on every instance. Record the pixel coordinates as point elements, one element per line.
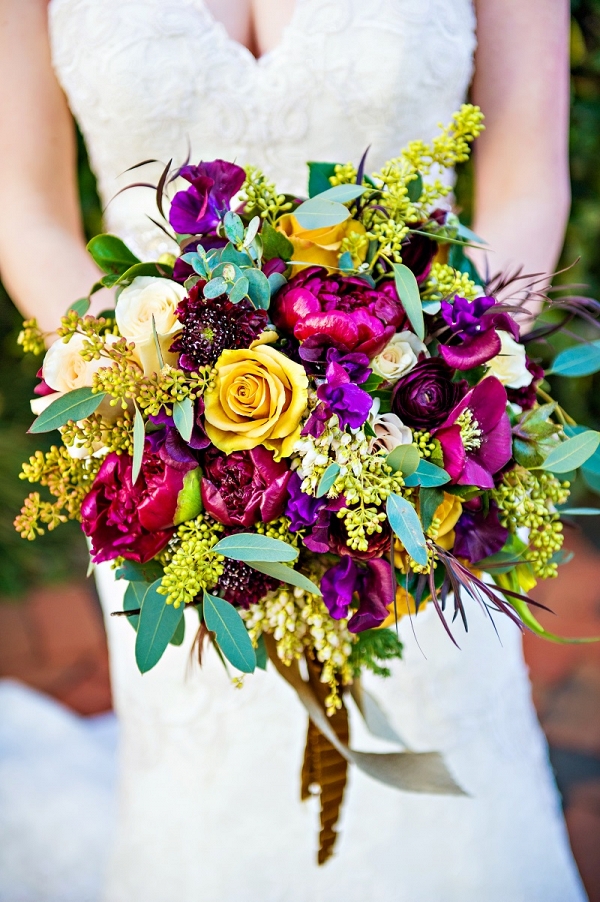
<point>427,475</point>
<point>74,405</point>
<point>591,479</point>
<point>249,546</point>
<point>134,572</point>
<point>183,417</point>
<point>80,307</point>
<point>251,231</point>
<point>415,189</point>
<point>223,620</point>
<point>262,655</point>
<point>230,254</point>
<point>431,307</point>
<point>327,479</point>
<point>570,455</point>
<point>342,194</point>
<point>139,438</point>
<point>346,264</point>
<point>132,601</point>
<point>233,227</point>
<point>239,290</point>
<point>404,459</point>
<point>405,523</point>
<point>408,292</point>
<point>276,282</point>
<point>259,289</point>
<point>581,360</point>
<point>179,634</point>
<point>579,511</point>
<point>285,574</point>
<point>159,353</point>
<point>215,287</point>
<point>320,214</point>
<point>429,501</point>
<point>111,254</point>
<point>156,627</point>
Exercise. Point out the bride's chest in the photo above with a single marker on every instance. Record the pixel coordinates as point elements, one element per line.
<point>172,58</point>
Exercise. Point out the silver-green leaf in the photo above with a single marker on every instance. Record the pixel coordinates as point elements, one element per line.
<point>327,479</point>
<point>405,523</point>
<point>248,546</point>
<point>319,214</point>
<point>232,637</point>
<point>286,575</point>
<point>183,417</point>
<point>573,453</point>
<point>75,405</point>
<point>139,438</point>
<point>408,292</point>
<point>157,625</point>
<point>404,458</point>
<point>581,360</point>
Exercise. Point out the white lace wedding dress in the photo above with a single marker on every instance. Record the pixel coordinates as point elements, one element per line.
<point>210,808</point>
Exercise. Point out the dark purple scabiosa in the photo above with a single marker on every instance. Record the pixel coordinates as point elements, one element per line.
<point>475,327</point>
<point>426,395</point>
<point>199,208</point>
<point>211,325</point>
<point>241,585</point>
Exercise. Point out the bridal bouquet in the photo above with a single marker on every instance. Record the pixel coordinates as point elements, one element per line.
<point>314,419</point>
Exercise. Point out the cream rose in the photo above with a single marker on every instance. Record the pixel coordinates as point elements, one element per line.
<point>389,430</point>
<point>145,298</point>
<point>258,398</point>
<point>64,369</point>
<point>399,356</point>
<point>510,365</point>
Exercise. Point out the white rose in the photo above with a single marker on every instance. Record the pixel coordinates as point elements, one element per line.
<point>510,366</point>
<point>389,430</point>
<point>64,369</point>
<point>145,298</point>
<point>399,356</point>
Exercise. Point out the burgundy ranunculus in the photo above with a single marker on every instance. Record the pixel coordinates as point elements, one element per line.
<point>242,488</point>
<point>476,437</point>
<point>479,533</point>
<point>337,311</point>
<point>426,395</point>
<point>212,185</point>
<point>136,521</point>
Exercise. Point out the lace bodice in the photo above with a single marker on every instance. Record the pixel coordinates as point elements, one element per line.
<point>209,774</point>
<point>146,77</point>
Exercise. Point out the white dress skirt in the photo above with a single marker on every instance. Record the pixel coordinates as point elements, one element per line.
<point>209,781</point>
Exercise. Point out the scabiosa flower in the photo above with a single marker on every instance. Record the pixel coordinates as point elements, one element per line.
<point>241,585</point>
<point>211,325</point>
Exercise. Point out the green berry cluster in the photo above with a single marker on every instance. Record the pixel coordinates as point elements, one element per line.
<point>193,566</point>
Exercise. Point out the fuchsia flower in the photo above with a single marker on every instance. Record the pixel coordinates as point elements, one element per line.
<point>137,521</point>
<point>476,437</point>
<point>476,325</point>
<point>198,209</point>
<point>242,488</point>
<point>373,584</point>
<point>326,311</point>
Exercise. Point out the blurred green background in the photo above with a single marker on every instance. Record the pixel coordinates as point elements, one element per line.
<point>62,554</point>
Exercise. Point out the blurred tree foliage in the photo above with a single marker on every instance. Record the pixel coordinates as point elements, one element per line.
<point>62,554</point>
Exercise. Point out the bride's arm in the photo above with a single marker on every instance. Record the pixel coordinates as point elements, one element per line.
<point>522,192</point>
<point>43,261</point>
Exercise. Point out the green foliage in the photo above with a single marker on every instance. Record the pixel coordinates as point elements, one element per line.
<point>372,648</point>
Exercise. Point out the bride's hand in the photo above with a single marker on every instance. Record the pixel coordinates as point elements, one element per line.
<point>43,261</point>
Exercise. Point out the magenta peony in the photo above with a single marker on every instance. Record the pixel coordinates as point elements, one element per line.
<point>242,488</point>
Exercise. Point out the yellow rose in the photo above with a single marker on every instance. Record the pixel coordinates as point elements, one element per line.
<point>258,399</point>
<point>448,513</point>
<point>318,247</point>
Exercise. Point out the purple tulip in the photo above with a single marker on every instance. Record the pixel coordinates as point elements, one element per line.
<point>372,582</point>
<point>476,325</point>
<point>476,437</point>
<point>137,521</point>
<point>245,487</point>
<point>199,208</point>
<point>479,533</point>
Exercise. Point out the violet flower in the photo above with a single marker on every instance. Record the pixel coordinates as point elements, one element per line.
<point>478,533</point>
<point>372,582</point>
<point>476,437</point>
<point>342,397</point>
<point>302,509</point>
<point>476,325</point>
<point>199,208</point>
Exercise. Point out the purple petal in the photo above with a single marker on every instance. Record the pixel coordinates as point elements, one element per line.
<point>376,591</point>
<point>474,351</point>
<point>338,585</point>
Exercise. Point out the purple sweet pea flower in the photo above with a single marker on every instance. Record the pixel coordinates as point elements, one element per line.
<point>319,538</point>
<point>479,535</point>
<point>355,364</point>
<point>476,437</point>
<point>475,323</point>
<point>351,403</point>
<point>198,209</point>
<point>374,586</point>
<point>302,509</point>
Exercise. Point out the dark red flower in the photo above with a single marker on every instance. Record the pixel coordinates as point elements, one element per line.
<point>338,311</point>
<point>241,585</point>
<point>211,325</point>
<point>426,395</point>
<point>242,488</point>
<point>137,521</point>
